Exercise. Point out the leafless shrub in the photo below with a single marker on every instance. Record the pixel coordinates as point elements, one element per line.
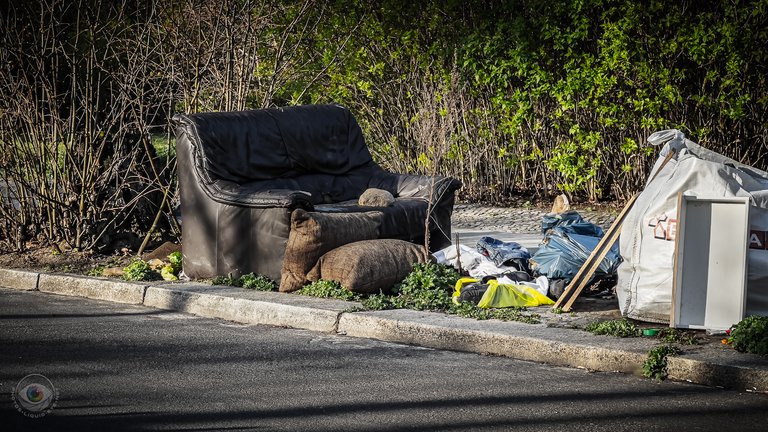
<point>77,83</point>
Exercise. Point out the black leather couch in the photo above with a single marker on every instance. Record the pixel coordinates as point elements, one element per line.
<point>241,174</point>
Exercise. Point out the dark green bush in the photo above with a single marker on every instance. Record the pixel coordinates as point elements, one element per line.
<point>655,366</point>
<point>139,270</point>
<point>327,289</point>
<point>427,287</point>
<point>618,328</point>
<point>672,335</point>
<point>226,280</point>
<point>257,282</point>
<point>751,335</point>
<point>468,310</point>
<point>248,281</point>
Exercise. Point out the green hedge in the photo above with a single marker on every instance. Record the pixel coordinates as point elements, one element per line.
<point>548,96</point>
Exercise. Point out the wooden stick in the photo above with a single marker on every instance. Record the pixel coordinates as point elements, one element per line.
<point>458,253</point>
<point>592,262</point>
<point>601,250</point>
<point>675,263</point>
<point>595,264</point>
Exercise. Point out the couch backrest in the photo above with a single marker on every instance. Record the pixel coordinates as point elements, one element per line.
<point>245,146</point>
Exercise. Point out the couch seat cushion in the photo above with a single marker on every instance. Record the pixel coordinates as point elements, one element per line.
<point>403,220</point>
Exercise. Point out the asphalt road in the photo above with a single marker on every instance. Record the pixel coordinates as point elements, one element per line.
<point>134,368</point>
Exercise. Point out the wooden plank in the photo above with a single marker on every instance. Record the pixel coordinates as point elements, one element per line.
<point>589,261</point>
<point>590,266</point>
<point>610,240</point>
<point>595,259</point>
<point>675,259</point>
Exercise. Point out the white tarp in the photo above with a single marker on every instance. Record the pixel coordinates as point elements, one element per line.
<point>647,244</point>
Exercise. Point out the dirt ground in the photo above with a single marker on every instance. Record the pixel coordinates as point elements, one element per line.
<point>48,259</point>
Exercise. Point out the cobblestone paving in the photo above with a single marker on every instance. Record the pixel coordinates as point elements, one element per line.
<point>514,219</point>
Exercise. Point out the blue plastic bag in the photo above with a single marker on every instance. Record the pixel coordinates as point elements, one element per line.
<point>567,246</point>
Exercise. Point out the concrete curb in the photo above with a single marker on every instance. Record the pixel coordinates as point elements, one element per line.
<point>452,337</point>
<point>93,288</point>
<point>19,279</point>
<point>246,311</point>
<point>556,346</point>
<point>717,375</point>
<point>560,347</point>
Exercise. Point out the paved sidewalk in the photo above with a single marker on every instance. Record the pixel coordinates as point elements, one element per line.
<point>548,342</point>
<point>522,225</point>
<point>468,216</point>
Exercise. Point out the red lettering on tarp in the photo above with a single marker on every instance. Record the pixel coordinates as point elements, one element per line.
<point>672,229</point>
<point>664,228</point>
<point>757,239</point>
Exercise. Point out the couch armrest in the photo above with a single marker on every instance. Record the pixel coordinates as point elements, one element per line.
<point>436,188</point>
<point>254,196</point>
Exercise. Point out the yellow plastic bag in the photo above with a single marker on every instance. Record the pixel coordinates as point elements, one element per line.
<point>459,285</point>
<point>504,295</point>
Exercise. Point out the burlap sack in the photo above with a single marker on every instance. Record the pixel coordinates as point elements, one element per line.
<point>370,266</point>
<point>313,234</point>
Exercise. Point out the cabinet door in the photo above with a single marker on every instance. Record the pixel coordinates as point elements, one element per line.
<point>709,288</point>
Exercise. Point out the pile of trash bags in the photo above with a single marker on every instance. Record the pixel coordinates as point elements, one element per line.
<point>568,241</point>
<point>504,274</point>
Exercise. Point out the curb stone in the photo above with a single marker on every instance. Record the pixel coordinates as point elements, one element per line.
<point>93,288</point>
<point>19,279</point>
<point>209,306</point>
<point>568,347</point>
<point>242,310</point>
<point>717,375</point>
<point>572,348</point>
<point>445,332</point>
